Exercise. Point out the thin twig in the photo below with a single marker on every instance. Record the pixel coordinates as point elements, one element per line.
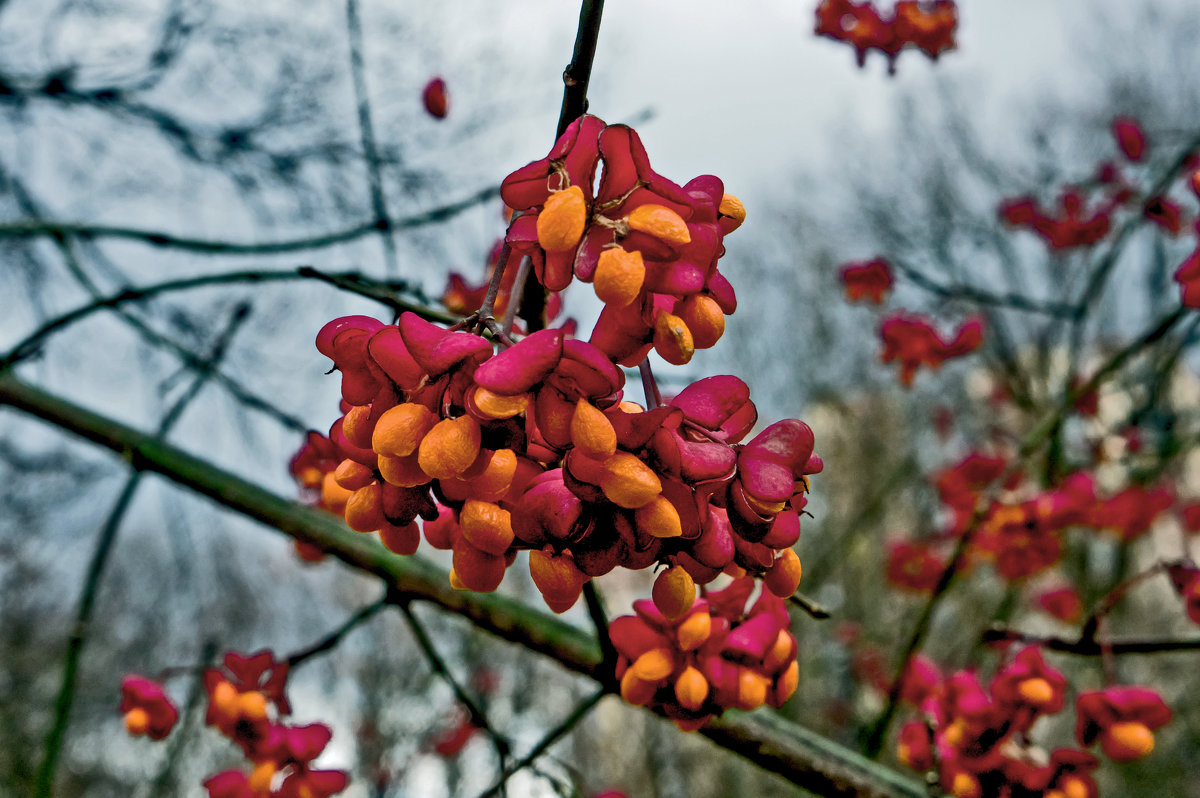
<point>1091,647</point>
<point>189,358</point>
<point>331,640</point>
<point>348,281</point>
<point>808,605</point>
<point>649,386</point>
<point>438,665</point>
<point>182,736</point>
<point>367,130</point>
<point>158,238</point>
<point>95,573</point>
<point>518,288</point>
<point>576,78</point>
<point>568,723</point>
<point>599,616</point>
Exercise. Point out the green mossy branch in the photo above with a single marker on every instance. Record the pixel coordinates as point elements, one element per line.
<point>797,754</point>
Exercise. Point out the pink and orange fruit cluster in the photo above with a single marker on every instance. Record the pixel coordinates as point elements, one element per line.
<point>1023,534</point>
<point>927,25</point>
<point>717,655</point>
<point>648,246</point>
<point>534,447</point>
<point>978,739</point>
<point>147,708</point>
<point>248,705</point>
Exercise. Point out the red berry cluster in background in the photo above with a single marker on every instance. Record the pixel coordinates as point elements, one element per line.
<point>926,25</point>
<point>977,736</point>
<point>535,448</point>
<point>247,704</point>
<point>1074,225</point>
<point>978,740</point>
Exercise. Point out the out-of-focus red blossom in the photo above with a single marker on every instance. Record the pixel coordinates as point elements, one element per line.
<point>1186,578</point>
<point>1131,512</point>
<point>1107,173</point>
<point>1088,402</point>
<point>927,26</point>
<point>1066,775</point>
<point>610,794</point>
<point>921,680</point>
<point>960,485</point>
<point>914,566</point>
<point>1190,513</point>
<point>1188,277</point>
<point>453,739</point>
<point>866,280</point>
<point>147,708</point>
<point>869,666</point>
<point>260,671</point>
<point>1122,719</point>
<point>1164,212</point>
<point>978,740</point>
<point>943,422</point>
<point>1027,688</point>
<point>1063,603</point>
<point>230,784</point>
<point>914,342</point>
<point>1129,137</point>
<point>1024,539</point>
<point>435,98</point>
<point>1072,226</point>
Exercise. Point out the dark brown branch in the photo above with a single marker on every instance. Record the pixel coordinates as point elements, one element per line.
<point>550,738</point>
<point>354,282</point>
<point>331,640</point>
<point>576,78</point>
<point>212,246</point>
<point>1091,647</point>
<point>367,132</point>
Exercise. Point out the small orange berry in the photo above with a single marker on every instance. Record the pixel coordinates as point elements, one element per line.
<point>673,340</point>
<point>619,276</point>
<point>783,577</point>
<point>491,405</point>
<point>732,207</point>
<point>1036,691</point>
<point>654,665</point>
<point>352,475</point>
<point>660,222</point>
<point>562,220</point>
<point>674,592</point>
<point>694,631</point>
<point>364,509</point>
<point>592,432</point>
<point>486,526</point>
<point>1127,741</point>
<point>400,430</point>
<point>628,482</point>
<point>691,688</point>
<point>333,495</point>
<point>137,721</point>
<point>659,518</point>
<point>449,448</point>
<point>704,319</point>
<point>357,427</point>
